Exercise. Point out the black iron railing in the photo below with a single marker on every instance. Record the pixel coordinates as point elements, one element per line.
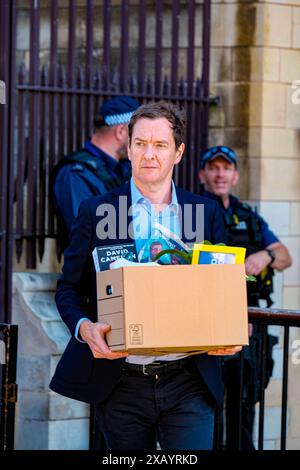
<point>286,319</point>
<point>262,318</point>
<point>8,371</point>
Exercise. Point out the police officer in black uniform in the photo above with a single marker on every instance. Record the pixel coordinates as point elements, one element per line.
<point>100,166</point>
<point>219,174</point>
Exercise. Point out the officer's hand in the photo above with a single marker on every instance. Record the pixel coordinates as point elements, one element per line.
<point>257,262</point>
<point>94,335</point>
<point>225,351</point>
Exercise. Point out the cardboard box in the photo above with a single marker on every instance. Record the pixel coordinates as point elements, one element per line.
<point>167,309</point>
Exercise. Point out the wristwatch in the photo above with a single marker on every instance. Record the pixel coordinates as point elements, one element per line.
<point>271,254</point>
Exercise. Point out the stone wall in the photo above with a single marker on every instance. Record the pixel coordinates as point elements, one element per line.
<point>44,419</point>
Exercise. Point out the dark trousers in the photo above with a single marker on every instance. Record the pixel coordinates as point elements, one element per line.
<point>174,408</point>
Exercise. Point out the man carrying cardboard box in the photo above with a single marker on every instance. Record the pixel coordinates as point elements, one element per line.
<point>138,399</point>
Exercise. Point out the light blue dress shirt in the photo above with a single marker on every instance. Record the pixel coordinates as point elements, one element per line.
<point>147,225</point>
<point>145,220</point>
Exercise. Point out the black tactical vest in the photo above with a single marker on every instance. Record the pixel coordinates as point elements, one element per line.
<point>108,176</point>
<point>244,229</point>
<point>111,178</point>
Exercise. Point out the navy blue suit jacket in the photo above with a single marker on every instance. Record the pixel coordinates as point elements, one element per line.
<point>78,374</point>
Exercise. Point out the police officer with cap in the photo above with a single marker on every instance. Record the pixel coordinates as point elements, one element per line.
<point>219,175</point>
<point>100,166</point>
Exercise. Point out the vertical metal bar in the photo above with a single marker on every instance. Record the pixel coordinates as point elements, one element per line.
<point>53,43</point>
<point>89,112</point>
<point>106,43</point>
<point>89,44</point>
<point>149,86</point>
<point>158,45</point>
<point>52,156</point>
<point>142,46</point>
<point>284,398</point>
<point>262,331</point>
<point>181,94</point>
<point>44,110</point>
<point>132,84</point>
<point>189,167</point>
<point>174,50</point>
<point>97,87</point>
<point>79,131</point>
<point>8,334</point>
<point>19,191</point>
<point>7,115</point>
<point>197,125</point>
<point>71,74</point>
<point>240,403</point>
<point>174,71</point>
<point>205,72</point>
<point>191,46</point>
<point>61,112</point>
<point>33,135</point>
<point>124,46</point>
<point>5,18</point>
<point>11,153</point>
<point>166,86</point>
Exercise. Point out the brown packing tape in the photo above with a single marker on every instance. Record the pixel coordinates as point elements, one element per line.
<point>161,352</point>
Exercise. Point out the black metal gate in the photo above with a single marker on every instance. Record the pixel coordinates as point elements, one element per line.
<point>79,53</point>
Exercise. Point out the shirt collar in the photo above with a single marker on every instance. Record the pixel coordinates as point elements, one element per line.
<point>138,198</point>
<point>97,152</point>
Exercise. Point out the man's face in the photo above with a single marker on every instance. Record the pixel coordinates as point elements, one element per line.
<point>155,248</point>
<point>219,176</point>
<point>152,151</point>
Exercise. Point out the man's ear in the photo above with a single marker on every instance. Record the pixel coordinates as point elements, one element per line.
<point>201,176</point>
<point>128,151</point>
<point>179,153</point>
<point>235,178</point>
<point>120,130</point>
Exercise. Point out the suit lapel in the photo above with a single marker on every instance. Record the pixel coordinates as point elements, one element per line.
<point>122,204</point>
<point>186,216</point>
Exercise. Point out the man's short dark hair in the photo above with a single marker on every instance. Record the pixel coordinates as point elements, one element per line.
<point>158,110</point>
